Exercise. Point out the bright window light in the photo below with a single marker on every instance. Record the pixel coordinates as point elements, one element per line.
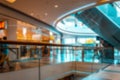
<point>24,31</point>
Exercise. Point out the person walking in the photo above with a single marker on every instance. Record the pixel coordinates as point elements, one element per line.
<point>4,51</point>
<point>96,52</point>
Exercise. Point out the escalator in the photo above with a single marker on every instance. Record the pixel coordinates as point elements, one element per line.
<point>112,12</point>
<point>103,20</point>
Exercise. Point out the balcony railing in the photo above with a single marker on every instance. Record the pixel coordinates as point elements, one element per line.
<point>31,62</point>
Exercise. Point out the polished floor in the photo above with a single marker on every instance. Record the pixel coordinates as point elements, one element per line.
<point>111,72</point>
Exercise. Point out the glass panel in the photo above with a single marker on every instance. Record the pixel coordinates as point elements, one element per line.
<point>111,11</point>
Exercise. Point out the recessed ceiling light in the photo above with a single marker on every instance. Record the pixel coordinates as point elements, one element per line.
<point>11,1</point>
<point>31,14</point>
<point>46,14</point>
<point>56,6</point>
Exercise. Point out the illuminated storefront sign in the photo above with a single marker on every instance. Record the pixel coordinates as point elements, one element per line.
<point>2,25</point>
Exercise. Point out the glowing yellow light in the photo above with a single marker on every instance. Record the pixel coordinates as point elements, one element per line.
<point>11,1</point>
<point>90,41</point>
<point>102,1</point>
<point>52,37</point>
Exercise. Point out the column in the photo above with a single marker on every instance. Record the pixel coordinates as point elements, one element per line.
<point>11,30</point>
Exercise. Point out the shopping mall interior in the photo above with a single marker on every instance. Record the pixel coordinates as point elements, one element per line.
<point>59,40</point>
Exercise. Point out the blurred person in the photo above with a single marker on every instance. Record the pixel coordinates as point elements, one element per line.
<point>101,47</point>
<point>4,54</point>
<point>23,50</point>
<point>96,52</point>
<point>34,51</point>
<point>45,51</point>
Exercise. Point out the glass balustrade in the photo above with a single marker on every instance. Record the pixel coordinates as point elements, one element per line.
<point>55,61</point>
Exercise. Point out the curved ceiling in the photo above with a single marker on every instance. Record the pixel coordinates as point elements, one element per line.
<point>50,10</point>
<point>71,25</point>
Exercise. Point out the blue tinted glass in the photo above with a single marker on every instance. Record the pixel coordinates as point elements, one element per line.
<point>111,12</point>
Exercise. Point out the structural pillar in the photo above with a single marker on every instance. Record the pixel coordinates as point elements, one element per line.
<point>11,30</point>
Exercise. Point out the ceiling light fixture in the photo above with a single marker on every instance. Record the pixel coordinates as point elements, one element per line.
<point>46,14</point>
<point>31,14</point>
<point>11,1</point>
<point>56,6</point>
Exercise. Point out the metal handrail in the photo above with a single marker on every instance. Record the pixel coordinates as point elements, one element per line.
<point>35,43</point>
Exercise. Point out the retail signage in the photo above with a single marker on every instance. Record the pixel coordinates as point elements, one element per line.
<point>2,25</point>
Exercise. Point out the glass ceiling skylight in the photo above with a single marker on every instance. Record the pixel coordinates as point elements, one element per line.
<point>71,25</point>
